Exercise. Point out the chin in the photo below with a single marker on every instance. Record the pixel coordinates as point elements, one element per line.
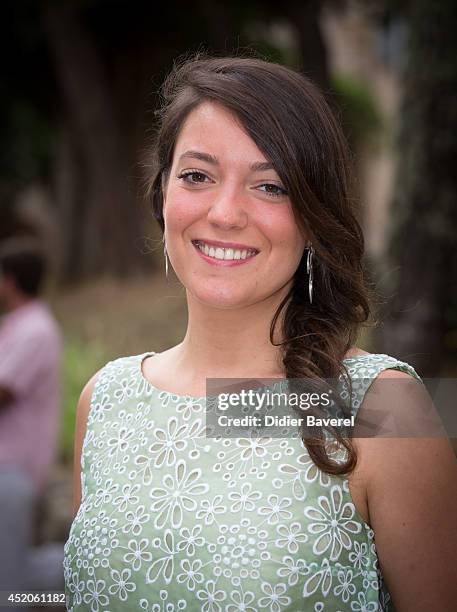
<point>225,298</point>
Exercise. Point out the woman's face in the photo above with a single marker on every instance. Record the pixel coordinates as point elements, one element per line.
<point>230,231</point>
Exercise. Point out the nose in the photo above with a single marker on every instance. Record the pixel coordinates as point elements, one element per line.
<point>228,210</point>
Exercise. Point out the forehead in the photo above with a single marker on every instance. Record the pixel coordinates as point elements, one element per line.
<point>212,128</point>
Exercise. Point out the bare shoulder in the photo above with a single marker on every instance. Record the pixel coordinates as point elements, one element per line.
<point>401,417</point>
<point>408,446</point>
<point>82,414</point>
<point>88,389</point>
<point>396,414</point>
<point>84,402</point>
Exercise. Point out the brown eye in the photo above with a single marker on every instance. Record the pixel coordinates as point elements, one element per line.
<point>273,190</point>
<point>192,176</point>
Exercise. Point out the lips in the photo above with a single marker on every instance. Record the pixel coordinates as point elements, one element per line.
<point>224,251</point>
<point>226,255</point>
<point>225,245</point>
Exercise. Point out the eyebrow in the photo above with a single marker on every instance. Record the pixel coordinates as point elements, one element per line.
<point>211,159</point>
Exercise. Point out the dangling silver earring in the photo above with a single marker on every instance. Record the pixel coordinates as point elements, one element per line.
<point>165,256</point>
<point>309,269</point>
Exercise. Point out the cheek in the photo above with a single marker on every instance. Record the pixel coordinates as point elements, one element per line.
<point>279,225</point>
<point>182,209</point>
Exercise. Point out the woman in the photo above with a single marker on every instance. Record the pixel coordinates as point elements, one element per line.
<point>250,185</point>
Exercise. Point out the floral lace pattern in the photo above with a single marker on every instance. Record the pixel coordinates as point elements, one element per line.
<point>173,520</point>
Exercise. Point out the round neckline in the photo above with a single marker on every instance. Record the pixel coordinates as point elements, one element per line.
<point>149,385</point>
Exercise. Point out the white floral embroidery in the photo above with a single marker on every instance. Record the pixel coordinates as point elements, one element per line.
<point>274,596</point>
<point>211,597</point>
<point>292,570</point>
<point>121,586</point>
<point>276,509</point>
<point>138,554</point>
<point>76,587</point>
<point>291,536</point>
<point>345,588</point>
<point>158,607</point>
<point>190,573</point>
<point>125,390</point>
<point>104,495</point>
<point>320,578</point>
<point>164,565</point>
<point>176,495</point>
<point>173,519</point>
<point>245,500</point>
<point>361,605</point>
<point>128,497</point>
<point>359,557</point>
<point>333,523</point>
<point>135,520</point>
<point>190,540</point>
<point>209,509</point>
<point>120,442</point>
<point>94,595</point>
<point>169,443</point>
<point>188,406</point>
<point>241,602</point>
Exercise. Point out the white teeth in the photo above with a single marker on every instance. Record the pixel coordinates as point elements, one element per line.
<point>226,254</point>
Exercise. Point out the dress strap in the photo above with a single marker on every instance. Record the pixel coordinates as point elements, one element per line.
<point>363,370</point>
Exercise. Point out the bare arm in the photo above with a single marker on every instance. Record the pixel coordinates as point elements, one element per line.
<point>80,431</point>
<point>411,486</point>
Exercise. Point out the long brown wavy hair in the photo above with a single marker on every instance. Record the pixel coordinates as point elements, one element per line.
<point>291,123</point>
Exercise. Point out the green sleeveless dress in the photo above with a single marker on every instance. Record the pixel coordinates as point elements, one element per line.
<point>172,520</point>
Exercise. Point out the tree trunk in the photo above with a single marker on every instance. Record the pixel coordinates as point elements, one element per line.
<point>421,326</point>
<point>111,227</point>
<point>305,16</point>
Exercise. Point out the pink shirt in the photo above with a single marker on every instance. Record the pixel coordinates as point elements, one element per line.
<point>30,355</point>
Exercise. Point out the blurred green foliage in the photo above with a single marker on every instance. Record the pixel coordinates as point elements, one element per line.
<point>361,116</point>
<point>81,361</point>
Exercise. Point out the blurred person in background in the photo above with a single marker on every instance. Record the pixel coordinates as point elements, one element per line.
<point>30,358</point>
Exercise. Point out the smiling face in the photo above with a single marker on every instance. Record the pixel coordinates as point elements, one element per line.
<point>229,226</point>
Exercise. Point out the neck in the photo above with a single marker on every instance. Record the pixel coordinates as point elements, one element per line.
<point>16,301</point>
<point>232,342</point>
